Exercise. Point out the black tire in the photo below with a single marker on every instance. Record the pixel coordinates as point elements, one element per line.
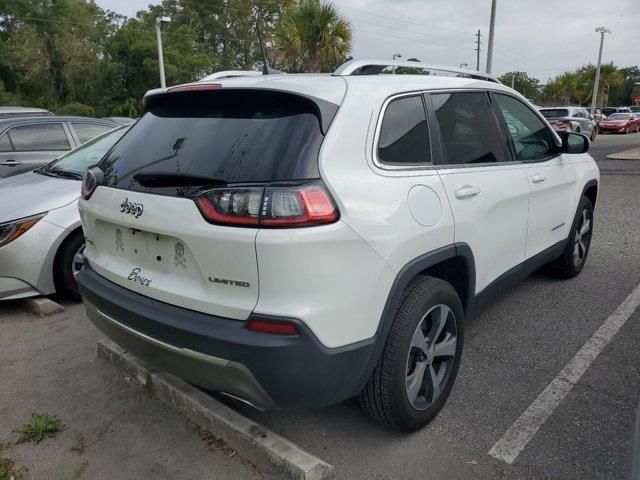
<point>385,398</point>
<point>594,133</point>
<point>566,266</point>
<point>63,276</point>
<point>577,129</point>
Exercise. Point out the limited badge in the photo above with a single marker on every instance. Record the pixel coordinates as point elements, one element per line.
<point>179,258</point>
<point>119,242</point>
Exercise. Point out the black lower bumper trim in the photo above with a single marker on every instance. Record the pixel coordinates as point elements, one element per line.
<point>294,371</point>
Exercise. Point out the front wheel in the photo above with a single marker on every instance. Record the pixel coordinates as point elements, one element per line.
<point>574,255</point>
<point>626,130</point>
<point>67,264</point>
<point>419,364</point>
<point>594,132</point>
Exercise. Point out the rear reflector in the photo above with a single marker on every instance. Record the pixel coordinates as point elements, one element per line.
<point>271,207</point>
<point>280,327</point>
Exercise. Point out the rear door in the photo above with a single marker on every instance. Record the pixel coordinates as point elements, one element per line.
<point>549,173</point>
<point>85,131</point>
<point>27,147</point>
<point>488,192</point>
<point>149,236</point>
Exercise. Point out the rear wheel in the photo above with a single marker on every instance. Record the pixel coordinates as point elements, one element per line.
<point>594,133</point>
<point>67,265</point>
<point>419,364</point>
<point>574,255</point>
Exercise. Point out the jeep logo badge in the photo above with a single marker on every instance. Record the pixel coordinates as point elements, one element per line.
<point>131,208</point>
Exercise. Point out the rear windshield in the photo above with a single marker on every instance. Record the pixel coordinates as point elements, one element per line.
<point>555,112</point>
<point>235,136</point>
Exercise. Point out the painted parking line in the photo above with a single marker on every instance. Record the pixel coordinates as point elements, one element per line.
<point>524,428</point>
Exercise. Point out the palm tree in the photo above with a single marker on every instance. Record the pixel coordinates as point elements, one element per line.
<point>312,37</point>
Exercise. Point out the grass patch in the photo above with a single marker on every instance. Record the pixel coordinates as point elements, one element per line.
<point>40,427</point>
<point>7,472</point>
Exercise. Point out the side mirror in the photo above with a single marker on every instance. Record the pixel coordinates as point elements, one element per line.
<point>574,142</point>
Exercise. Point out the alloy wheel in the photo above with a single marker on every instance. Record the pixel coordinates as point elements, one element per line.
<point>431,357</point>
<point>582,238</point>
<point>77,262</point>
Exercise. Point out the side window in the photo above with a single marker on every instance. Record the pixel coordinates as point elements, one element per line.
<point>87,131</point>
<point>44,136</point>
<point>531,137</point>
<point>404,138</point>
<point>469,128</point>
<point>5,144</point>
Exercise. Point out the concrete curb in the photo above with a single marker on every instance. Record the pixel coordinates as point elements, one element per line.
<point>265,448</point>
<point>632,154</point>
<point>42,306</point>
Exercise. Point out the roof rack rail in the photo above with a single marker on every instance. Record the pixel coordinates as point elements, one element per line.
<point>230,74</point>
<point>375,66</point>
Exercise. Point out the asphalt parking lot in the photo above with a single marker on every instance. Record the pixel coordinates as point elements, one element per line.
<point>514,350</point>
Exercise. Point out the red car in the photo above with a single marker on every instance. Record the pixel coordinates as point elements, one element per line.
<point>620,123</point>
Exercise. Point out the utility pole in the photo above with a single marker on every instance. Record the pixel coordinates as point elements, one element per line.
<point>159,21</point>
<point>478,51</point>
<point>492,25</point>
<point>602,31</point>
<point>395,55</point>
<point>513,79</point>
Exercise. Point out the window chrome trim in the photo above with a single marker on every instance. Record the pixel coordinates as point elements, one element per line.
<point>376,137</point>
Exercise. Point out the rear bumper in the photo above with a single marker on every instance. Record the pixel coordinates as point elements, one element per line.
<point>220,354</point>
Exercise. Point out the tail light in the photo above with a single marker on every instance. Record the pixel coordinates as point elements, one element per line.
<point>269,207</point>
<point>268,325</point>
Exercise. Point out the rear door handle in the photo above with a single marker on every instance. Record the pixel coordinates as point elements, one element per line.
<point>466,192</point>
<point>537,178</point>
<point>10,163</point>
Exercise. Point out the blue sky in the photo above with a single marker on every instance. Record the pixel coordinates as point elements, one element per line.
<point>541,37</point>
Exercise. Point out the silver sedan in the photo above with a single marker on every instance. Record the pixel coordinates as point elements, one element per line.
<point>41,239</point>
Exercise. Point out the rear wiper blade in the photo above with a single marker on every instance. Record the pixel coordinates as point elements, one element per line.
<point>164,179</point>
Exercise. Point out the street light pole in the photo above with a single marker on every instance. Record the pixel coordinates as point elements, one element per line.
<point>491,31</point>
<point>160,20</point>
<point>602,31</point>
<point>395,55</point>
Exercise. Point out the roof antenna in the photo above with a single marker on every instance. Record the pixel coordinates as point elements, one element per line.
<point>266,70</point>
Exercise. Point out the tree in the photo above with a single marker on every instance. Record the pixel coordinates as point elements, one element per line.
<point>312,37</point>
<point>523,83</point>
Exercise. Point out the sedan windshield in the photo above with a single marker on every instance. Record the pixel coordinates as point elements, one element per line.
<point>620,116</point>
<point>555,112</point>
<point>74,163</point>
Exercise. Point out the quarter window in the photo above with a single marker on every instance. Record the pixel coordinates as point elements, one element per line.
<point>531,137</point>
<point>404,137</point>
<point>44,136</point>
<point>87,131</point>
<point>469,129</point>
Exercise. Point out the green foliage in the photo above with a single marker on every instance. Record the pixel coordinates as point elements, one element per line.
<point>40,427</point>
<point>523,83</point>
<point>65,54</point>
<point>577,87</point>
<point>313,37</point>
<point>77,108</point>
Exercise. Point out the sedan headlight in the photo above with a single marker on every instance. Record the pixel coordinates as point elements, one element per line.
<point>9,231</point>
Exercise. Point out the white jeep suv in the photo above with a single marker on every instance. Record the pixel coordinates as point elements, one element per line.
<point>298,240</point>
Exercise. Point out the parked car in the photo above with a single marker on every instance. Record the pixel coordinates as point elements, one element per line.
<point>10,112</point>
<point>620,123</point>
<point>561,125</point>
<point>635,109</point>
<point>120,120</point>
<point>41,240</point>
<point>578,117</point>
<point>27,143</point>
<point>279,246</point>
<point>607,111</point>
